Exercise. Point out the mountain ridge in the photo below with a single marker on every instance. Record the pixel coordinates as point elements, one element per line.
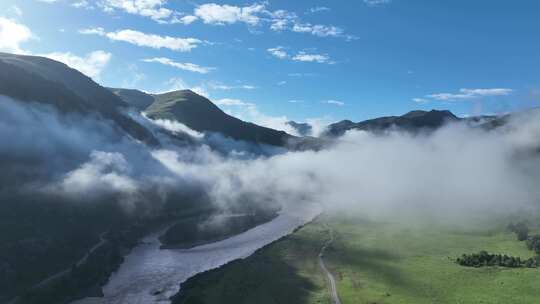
<point>415,121</point>
<point>43,80</point>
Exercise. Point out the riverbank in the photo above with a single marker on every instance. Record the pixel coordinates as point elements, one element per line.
<point>270,275</point>
<point>153,275</point>
<point>198,231</point>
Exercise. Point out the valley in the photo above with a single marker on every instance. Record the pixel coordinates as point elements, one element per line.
<point>375,260</point>
<point>132,187</point>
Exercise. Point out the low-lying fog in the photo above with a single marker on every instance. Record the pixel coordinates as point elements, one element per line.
<point>455,170</point>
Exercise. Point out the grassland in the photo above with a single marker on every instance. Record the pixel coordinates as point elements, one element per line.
<point>375,261</point>
<point>400,262</point>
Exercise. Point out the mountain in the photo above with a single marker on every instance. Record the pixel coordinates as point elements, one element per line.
<point>304,129</point>
<point>39,79</point>
<point>135,98</point>
<point>200,114</point>
<point>412,121</point>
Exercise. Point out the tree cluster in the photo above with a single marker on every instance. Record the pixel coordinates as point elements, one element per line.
<point>483,258</point>
<point>520,229</point>
<point>533,243</point>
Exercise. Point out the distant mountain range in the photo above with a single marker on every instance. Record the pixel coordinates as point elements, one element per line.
<point>38,79</point>
<point>412,121</point>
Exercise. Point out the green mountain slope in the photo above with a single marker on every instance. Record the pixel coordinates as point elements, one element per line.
<point>200,114</point>
<point>135,98</point>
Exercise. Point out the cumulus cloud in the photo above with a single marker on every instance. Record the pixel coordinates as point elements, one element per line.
<point>213,13</point>
<point>91,65</point>
<point>147,8</point>
<point>146,40</point>
<point>258,14</point>
<point>12,35</point>
<point>186,66</point>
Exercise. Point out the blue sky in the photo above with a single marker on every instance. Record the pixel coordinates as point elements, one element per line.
<point>276,60</point>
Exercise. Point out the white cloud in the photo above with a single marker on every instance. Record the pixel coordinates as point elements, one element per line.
<point>467,94</point>
<point>318,9</point>
<point>48,1</point>
<point>12,35</point>
<point>147,8</point>
<point>283,82</point>
<point>106,171</point>
<point>82,4</point>
<point>249,111</point>
<point>187,19</point>
<point>420,100</point>
<point>175,84</point>
<point>212,13</point>
<point>318,29</point>
<point>305,57</point>
<point>180,65</point>
<point>91,65</point>
<point>334,102</point>
<point>231,102</point>
<point>281,19</point>
<point>376,2</point>
<point>278,52</point>
<point>146,40</point>
<point>174,126</point>
<point>302,56</point>
<point>256,14</point>
<point>220,86</point>
<point>93,31</point>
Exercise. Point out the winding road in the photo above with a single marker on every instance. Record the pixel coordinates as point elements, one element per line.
<point>329,275</point>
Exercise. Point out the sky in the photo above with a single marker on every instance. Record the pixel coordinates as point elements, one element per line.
<point>316,61</point>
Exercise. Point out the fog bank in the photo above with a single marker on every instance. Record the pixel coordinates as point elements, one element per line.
<point>456,170</point>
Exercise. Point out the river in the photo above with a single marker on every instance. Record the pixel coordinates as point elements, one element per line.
<point>152,275</point>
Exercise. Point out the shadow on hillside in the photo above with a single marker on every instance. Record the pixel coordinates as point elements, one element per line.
<point>267,277</point>
<point>376,262</point>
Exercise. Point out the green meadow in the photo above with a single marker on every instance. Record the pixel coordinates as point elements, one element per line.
<point>375,261</point>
